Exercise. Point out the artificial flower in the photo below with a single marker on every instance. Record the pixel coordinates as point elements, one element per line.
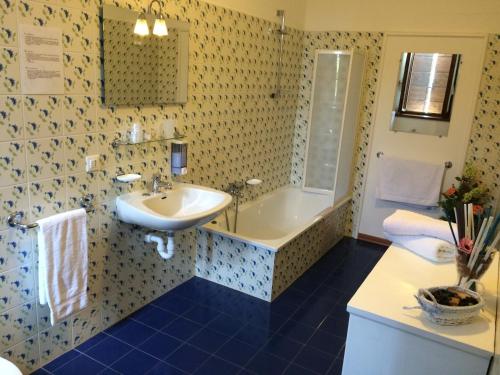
<point>466,245</point>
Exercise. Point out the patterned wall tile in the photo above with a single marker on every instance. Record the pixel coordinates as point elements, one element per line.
<point>8,23</point>
<point>17,286</point>
<point>12,163</point>
<point>15,249</point>
<point>45,157</point>
<point>12,198</point>
<point>25,354</point>
<point>42,116</point>
<point>9,71</point>
<point>17,324</point>
<point>484,144</point>
<point>11,118</point>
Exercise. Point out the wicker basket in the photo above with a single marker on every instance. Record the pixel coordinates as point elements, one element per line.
<point>448,315</point>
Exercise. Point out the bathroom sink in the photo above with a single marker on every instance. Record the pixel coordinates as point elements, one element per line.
<point>183,207</point>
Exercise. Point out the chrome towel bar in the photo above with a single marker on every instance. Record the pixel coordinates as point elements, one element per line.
<point>15,218</point>
<point>447,164</point>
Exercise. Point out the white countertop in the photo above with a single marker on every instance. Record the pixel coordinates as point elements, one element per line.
<point>394,281</point>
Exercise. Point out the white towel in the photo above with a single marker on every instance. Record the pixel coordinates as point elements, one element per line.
<point>63,263</point>
<point>433,249</point>
<point>409,181</point>
<point>408,223</point>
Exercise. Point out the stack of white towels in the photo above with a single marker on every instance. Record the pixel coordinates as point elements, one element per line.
<point>425,236</point>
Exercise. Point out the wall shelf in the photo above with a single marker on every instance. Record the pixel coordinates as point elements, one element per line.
<point>118,142</point>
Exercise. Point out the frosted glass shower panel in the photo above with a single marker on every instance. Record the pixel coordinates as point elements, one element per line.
<point>328,102</point>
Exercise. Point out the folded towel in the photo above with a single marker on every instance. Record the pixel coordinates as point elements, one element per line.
<point>409,181</point>
<point>408,223</point>
<point>433,249</point>
<point>63,263</point>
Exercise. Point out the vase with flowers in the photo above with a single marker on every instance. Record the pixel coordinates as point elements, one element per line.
<point>476,235</point>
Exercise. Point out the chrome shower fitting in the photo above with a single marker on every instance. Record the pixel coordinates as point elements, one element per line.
<point>281,31</point>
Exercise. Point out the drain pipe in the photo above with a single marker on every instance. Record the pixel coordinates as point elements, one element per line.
<point>160,244</point>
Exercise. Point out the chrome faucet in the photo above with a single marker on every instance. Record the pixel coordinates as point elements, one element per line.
<point>157,184</point>
<point>236,189</point>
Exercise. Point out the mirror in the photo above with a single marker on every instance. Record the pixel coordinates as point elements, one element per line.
<point>425,91</point>
<point>143,70</point>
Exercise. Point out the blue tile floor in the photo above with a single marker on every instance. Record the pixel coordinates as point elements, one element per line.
<point>203,328</point>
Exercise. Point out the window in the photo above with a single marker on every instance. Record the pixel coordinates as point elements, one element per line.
<point>427,85</point>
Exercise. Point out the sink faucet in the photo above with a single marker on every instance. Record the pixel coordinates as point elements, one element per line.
<point>157,184</point>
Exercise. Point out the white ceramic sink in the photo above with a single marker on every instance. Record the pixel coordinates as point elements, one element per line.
<point>183,207</point>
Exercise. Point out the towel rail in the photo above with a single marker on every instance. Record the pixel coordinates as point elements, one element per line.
<point>15,218</point>
<point>447,164</point>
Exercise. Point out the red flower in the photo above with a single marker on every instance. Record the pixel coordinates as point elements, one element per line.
<point>465,245</point>
<point>477,209</point>
<point>451,191</point>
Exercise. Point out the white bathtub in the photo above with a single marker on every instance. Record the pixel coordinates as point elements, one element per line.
<point>276,218</point>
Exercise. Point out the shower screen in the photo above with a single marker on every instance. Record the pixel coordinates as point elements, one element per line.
<point>332,120</point>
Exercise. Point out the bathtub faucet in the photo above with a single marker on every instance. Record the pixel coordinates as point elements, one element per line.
<point>236,188</point>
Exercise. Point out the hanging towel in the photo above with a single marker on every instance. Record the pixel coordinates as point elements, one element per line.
<point>63,263</point>
<point>408,223</point>
<point>409,181</point>
<point>430,248</point>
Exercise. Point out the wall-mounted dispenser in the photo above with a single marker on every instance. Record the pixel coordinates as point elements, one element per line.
<point>179,158</point>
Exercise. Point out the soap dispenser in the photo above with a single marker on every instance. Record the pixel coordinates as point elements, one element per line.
<point>179,158</point>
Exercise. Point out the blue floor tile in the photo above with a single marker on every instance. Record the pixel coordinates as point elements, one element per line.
<point>109,371</point>
<point>326,342</point>
<point>175,304</point>
<point>282,347</point>
<point>217,366</point>
<point>237,351</point>
<point>164,369</point>
<point>253,335</point>
<point>201,314</point>
<point>61,360</point>
<point>153,316</point>
<point>294,369</point>
<point>160,345</point>
<point>40,371</point>
<point>270,322</point>
<point>296,331</point>
<point>182,328</point>
<point>134,363</point>
<point>91,342</point>
<point>208,340</point>
<point>108,350</point>
<point>314,360</point>
<point>226,325</point>
<point>133,333</point>
<point>80,365</point>
<point>264,364</point>
<point>335,325</point>
<point>310,316</point>
<point>187,358</point>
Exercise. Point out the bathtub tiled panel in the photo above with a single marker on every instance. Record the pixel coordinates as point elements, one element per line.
<point>484,144</point>
<point>370,44</point>
<point>235,264</point>
<point>301,253</point>
<point>263,273</point>
<point>235,130</point>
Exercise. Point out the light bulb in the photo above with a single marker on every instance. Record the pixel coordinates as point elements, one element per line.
<point>141,25</point>
<point>160,27</point>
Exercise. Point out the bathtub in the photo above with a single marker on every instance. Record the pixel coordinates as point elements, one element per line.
<point>276,218</point>
<point>279,236</point>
